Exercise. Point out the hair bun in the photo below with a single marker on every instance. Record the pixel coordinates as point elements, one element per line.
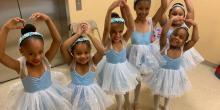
<point>115,15</point>
<point>28,28</point>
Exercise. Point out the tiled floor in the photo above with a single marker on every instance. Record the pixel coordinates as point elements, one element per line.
<point>205,94</point>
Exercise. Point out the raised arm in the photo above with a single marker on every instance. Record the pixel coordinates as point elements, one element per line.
<point>190,11</point>
<point>66,45</point>
<point>164,18</point>
<point>165,29</point>
<point>4,58</point>
<point>123,13</point>
<point>99,47</point>
<point>55,45</point>
<point>130,21</point>
<point>195,35</point>
<point>107,25</point>
<point>160,12</point>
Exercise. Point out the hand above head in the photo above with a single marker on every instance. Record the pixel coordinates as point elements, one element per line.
<point>13,23</point>
<point>39,17</point>
<point>115,4</point>
<point>83,28</point>
<point>79,29</point>
<point>169,2</point>
<point>86,28</point>
<point>123,3</point>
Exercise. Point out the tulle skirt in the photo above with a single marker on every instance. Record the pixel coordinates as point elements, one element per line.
<point>56,97</point>
<point>90,97</point>
<point>191,58</point>
<point>117,78</point>
<point>142,56</point>
<point>168,82</point>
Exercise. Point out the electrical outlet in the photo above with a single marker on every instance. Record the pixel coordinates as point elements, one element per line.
<point>78,5</point>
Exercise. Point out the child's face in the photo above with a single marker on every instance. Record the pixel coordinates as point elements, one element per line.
<point>81,53</point>
<point>33,50</point>
<point>116,31</point>
<point>179,13</point>
<point>142,9</point>
<point>178,38</point>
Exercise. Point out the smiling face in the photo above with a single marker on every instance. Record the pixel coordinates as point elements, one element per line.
<point>179,37</point>
<point>81,53</point>
<point>179,13</point>
<point>116,31</point>
<point>142,8</point>
<point>32,49</point>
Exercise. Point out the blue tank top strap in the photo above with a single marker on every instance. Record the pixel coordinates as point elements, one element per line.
<point>23,67</point>
<point>33,84</point>
<point>143,38</point>
<point>165,48</point>
<point>86,79</point>
<point>182,51</point>
<point>23,71</point>
<point>150,23</point>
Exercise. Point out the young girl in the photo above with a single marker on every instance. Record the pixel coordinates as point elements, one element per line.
<point>38,91</point>
<point>140,51</point>
<point>192,56</point>
<point>170,80</point>
<point>117,75</point>
<point>86,94</point>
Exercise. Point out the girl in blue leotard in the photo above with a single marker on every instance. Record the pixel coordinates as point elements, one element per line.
<point>86,94</point>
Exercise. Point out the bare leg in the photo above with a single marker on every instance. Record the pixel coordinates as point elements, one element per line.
<point>166,103</point>
<point>127,105</point>
<point>156,102</point>
<point>136,95</point>
<point>119,102</point>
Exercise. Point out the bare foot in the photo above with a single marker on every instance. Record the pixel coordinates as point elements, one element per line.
<point>166,108</point>
<point>127,107</point>
<point>136,106</point>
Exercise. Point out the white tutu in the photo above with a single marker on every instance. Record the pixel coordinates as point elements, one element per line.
<point>168,83</point>
<point>191,58</point>
<point>51,98</point>
<point>38,93</point>
<point>90,97</point>
<point>117,78</point>
<point>142,56</point>
<point>170,79</point>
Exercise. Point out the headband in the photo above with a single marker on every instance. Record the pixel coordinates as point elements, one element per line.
<point>29,34</point>
<point>81,39</point>
<point>117,20</point>
<point>177,5</point>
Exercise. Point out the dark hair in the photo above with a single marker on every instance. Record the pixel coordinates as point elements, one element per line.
<point>87,42</point>
<point>171,9</point>
<point>115,15</point>
<point>187,33</point>
<point>137,1</point>
<point>29,28</point>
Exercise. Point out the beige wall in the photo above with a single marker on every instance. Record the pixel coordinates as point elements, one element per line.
<point>206,16</point>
